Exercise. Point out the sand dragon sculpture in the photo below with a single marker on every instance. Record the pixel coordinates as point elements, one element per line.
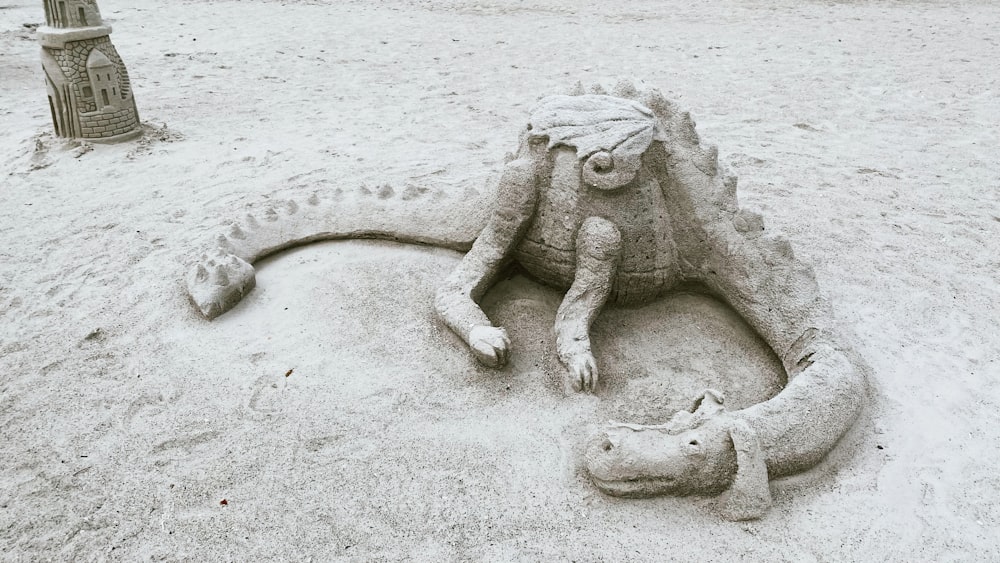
<point>614,199</point>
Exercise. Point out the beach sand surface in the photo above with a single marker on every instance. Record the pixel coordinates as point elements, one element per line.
<point>330,416</point>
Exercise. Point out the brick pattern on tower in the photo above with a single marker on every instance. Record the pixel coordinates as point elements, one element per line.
<point>90,95</point>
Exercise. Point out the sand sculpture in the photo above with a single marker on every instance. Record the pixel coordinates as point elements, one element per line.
<point>612,198</point>
<point>90,96</point>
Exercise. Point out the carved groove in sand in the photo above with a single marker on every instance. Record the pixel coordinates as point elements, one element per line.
<point>614,199</point>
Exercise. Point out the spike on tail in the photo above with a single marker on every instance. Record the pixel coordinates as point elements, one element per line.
<point>596,88</point>
<point>413,192</point>
<point>220,276</point>
<point>223,243</point>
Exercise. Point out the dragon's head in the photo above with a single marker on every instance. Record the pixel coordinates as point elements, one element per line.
<point>703,450</point>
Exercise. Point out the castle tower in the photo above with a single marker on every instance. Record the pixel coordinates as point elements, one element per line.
<point>89,92</point>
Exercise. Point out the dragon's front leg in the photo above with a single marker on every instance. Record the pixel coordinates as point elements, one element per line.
<point>598,247</point>
<point>457,300</point>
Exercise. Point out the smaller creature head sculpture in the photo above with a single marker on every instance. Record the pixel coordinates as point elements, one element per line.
<point>703,450</point>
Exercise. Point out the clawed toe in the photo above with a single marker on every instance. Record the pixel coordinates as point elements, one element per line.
<point>490,345</point>
<point>583,373</point>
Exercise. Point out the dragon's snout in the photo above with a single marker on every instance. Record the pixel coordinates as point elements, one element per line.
<point>628,460</point>
<point>639,461</point>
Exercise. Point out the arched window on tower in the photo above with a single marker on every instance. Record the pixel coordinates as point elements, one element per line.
<point>104,79</point>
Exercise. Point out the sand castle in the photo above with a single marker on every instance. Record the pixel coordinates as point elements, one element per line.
<point>614,199</point>
<point>90,96</point>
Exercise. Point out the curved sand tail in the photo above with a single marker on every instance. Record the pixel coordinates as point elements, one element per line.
<point>224,274</point>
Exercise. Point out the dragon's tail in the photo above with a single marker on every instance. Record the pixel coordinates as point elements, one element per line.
<point>224,273</point>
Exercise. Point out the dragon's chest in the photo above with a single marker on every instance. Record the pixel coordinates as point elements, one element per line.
<point>648,261</point>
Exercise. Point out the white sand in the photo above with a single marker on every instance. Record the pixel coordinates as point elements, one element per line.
<point>867,131</point>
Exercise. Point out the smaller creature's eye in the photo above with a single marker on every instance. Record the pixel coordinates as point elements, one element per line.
<point>694,442</point>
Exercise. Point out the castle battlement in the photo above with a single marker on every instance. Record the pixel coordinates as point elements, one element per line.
<point>72,13</point>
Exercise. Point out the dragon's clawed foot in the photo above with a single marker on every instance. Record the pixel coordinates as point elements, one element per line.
<point>582,372</point>
<point>218,282</point>
<point>490,345</point>
<point>580,364</point>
